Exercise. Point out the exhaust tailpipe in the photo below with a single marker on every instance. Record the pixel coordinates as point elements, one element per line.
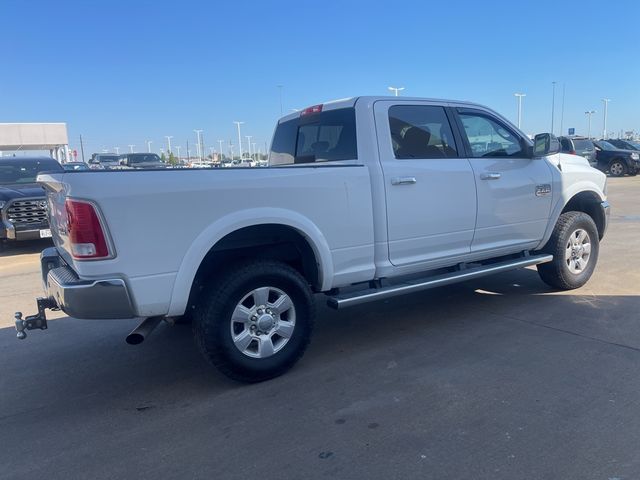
<point>142,331</point>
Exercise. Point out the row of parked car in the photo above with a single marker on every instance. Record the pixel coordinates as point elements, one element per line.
<point>614,156</point>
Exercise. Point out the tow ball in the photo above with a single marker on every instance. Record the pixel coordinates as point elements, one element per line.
<point>37,321</point>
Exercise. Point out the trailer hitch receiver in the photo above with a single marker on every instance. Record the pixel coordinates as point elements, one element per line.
<point>37,321</point>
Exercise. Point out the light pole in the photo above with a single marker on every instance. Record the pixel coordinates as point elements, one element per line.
<point>604,129</point>
<point>220,143</point>
<point>168,137</point>
<point>589,113</point>
<point>254,151</point>
<point>239,137</point>
<point>131,148</point>
<point>395,90</point>
<point>149,142</point>
<point>117,149</point>
<point>249,137</point>
<point>553,104</point>
<point>519,96</point>
<point>178,150</point>
<point>199,149</point>
<point>562,110</point>
<point>211,149</point>
<point>280,95</point>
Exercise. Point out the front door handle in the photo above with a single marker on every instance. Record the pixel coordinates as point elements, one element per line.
<point>490,176</point>
<point>403,180</point>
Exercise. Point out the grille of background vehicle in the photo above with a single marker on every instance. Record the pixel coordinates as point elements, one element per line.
<point>27,212</point>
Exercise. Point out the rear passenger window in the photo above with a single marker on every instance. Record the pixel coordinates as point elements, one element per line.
<point>317,137</point>
<point>421,131</point>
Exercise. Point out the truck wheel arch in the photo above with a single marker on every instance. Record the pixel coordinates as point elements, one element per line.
<point>254,230</point>
<point>585,200</point>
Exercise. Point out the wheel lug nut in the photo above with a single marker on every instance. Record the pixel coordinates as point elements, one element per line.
<point>254,318</point>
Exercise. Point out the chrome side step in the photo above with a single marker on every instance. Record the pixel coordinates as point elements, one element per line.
<point>371,294</point>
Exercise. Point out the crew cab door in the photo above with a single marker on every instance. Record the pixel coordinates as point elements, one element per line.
<point>514,190</point>
<point>430,188</point>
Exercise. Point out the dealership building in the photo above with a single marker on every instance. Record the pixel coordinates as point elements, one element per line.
<point>28,137</point>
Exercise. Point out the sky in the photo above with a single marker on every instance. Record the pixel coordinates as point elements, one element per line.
<point>123,72</point>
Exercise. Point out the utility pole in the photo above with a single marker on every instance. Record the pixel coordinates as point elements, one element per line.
<point>168,137</point>
<point>239,137</point>
<point>131,148</point>
<point>280,94</point>
<point>519,96</point>
<point>81,148</point>
<point>220,142</point>
<point>553,104</point>
<point>149,142</point>
<point>604,129</point>
<point>589,113</point>
<point>396,90</point>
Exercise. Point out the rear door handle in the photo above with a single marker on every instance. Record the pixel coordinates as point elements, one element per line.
<point>490,176</point>
<point>403,180</point>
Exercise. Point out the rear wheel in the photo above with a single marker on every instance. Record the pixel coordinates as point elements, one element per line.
<point>617,168</point>
<point>574,245</point>
<point>255,322</point>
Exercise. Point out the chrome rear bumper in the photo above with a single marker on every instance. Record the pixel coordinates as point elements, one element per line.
<point>89,299</point>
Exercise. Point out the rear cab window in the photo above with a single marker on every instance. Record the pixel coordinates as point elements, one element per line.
<point>326,136</point>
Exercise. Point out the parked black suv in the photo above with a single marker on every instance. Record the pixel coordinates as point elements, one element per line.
<point>23,205</point>
<point>616,161</point>
<point>581,146</point>
<point>141,161</point>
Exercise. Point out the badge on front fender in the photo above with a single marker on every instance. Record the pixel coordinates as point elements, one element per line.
<point>542,190</point>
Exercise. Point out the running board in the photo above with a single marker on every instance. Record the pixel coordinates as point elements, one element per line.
<point>371,294</point>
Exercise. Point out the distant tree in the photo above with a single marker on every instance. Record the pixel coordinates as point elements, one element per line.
<point>172,159</point>
<point>163,157</point>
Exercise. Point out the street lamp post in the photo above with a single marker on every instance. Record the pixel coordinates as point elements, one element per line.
<point>553,105</point>
<point>131,147</point>
<point>589,113</point>
<point>199,149</point>
<point>395,90</point>
<point>149,142</point>
<point>239,137</point>
<point>604,128</point>
<point>254,151</point>
<point>178,150</point>
<point>220,143</point>
<point>519,96</point>
<point>249,137</point>
<point>117,149</point>
<point>168,137</point>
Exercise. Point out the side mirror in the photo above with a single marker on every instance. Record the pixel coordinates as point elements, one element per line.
<point>545,144</point>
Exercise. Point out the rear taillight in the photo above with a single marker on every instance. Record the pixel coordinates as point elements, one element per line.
<point>87,237</point>
<point>572,152</point>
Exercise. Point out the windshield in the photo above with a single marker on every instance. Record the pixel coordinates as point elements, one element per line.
<point>16,172</point>
<point>583,144</point>
<point>109,159</point>
<point>606,146</point>
<point>635,145</point>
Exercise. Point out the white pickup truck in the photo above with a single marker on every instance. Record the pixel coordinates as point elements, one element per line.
<point>365,198</point>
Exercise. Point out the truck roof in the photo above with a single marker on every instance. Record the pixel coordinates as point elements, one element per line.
<point>351,101</point>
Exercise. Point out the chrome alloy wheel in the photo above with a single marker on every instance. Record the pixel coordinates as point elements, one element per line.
<point>617,169</point>
<point>578,251</point>
<point>262,322</point>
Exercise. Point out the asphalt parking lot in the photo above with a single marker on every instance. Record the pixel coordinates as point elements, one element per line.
<point>496,379</point>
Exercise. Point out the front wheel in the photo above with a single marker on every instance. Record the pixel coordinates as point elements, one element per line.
<point>617,168</point>
<point>574,245</point>
<point>255,322</point>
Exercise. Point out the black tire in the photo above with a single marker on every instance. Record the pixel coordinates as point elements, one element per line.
<point>557,273</point>
<point>212,324</point>
<point>619,167</point>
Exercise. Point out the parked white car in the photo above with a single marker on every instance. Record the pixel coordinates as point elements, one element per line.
<point>360,193</point>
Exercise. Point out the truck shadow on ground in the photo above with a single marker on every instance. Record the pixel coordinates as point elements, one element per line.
<point>11,249</point>
<point>87,362</point>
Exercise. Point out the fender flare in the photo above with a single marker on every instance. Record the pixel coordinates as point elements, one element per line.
<point>222,227</point>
